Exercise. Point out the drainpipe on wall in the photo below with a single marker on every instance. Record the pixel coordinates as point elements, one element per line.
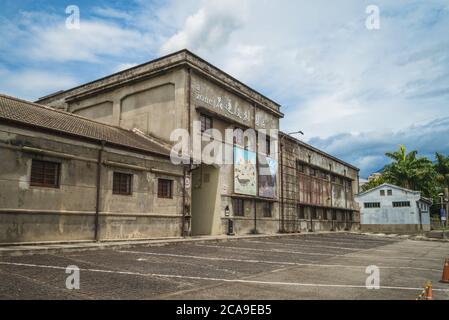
<point>97,201</point>
<point>281,224</point>
<point>184,208</point>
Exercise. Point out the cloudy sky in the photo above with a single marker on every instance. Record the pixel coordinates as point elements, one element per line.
<point>355,92</point>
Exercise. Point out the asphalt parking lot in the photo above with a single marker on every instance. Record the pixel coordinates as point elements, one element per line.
<point>309,266</point>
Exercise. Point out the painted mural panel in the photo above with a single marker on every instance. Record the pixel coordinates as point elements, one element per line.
<point>245,172</point>
<point>267,176</point>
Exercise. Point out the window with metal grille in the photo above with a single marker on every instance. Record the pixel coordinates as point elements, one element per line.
<point>351,216</point>
<point>371,205</point>
<point>122,183</point>
<point>300,212</point>
<point>206,122</point>
<point>300,167</point>
<point>267,209</point>
<point>401,204</point>
<point>313,213</point>
<point>334,215</point>
<point>324,175</point>
<point>238,206</point>
<point>312,172</point>
<point>165,189</point>
<point>44,174</point>
<point>268,145</point>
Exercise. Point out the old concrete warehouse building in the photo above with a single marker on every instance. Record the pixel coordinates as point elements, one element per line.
<point>93,162</point>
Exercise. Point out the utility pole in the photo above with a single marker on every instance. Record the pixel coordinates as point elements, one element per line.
<point>446,199</point>
<point>443,214</point>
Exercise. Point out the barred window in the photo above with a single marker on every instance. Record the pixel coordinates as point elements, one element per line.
<point>313,213</point>
<point>300,212</point>
<point>371,204</point>
<point>267,209</point>
<point>267,145</point>
<point>206,122</point>
<point>238,206</point>
<point>334,215</point>
<point>300,167</point>
<point>401,204</point>
<point>44,174</point>
<point>165,189</point>
<point>122,183</point>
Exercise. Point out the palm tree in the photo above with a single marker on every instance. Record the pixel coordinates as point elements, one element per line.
<point>410,171</point>
<point>442,169</point>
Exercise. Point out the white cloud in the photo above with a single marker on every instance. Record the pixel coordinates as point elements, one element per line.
<point>32,84</point>
<point>209,28</point>
<point>44,37</point>
<point>124,66</point>
<point>112,13</point>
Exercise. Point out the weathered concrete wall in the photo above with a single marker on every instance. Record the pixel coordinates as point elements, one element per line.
<point>330,191</point>
<point>30,213</point>
<point>156,106</point>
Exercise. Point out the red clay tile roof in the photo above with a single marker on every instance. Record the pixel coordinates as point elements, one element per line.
<point>36,115</point>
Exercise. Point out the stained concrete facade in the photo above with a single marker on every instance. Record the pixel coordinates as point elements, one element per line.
<point>30,214</point>
<point>172,93</point>
<point>152,100</point>
<point>317,189</point>
<point>392,209</point>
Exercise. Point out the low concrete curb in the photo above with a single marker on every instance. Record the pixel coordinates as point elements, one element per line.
<point>76,246</point>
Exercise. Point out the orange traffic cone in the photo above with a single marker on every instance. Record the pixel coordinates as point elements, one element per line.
<point>445,278</point>
<point>428,295</point>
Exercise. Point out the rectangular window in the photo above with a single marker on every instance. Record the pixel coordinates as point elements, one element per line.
<point>44,174</point>
<point>312,172</point>
<point>267,208</point>
<point>238,205</point>
<point>324,175</point>
<point>122,183</point>
<point>165,189</point>
<point>334,215</point>
<point>313,213</point>
<point>371,205</point>
<point>351,216</point>
<point>268,145</point>
<point>206,122</point>
<point>300,212</point>
<point>300,167</point>
<point>382,193</point>
<point>401,204</point>
<point>390,192</point>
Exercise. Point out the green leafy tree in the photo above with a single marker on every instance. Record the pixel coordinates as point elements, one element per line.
<point>410,171</point>
<point>442,169</point>
<point>373,183</point>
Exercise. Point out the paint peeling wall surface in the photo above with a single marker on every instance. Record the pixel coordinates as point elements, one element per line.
<point>318,190</point>
<point>29,213</point>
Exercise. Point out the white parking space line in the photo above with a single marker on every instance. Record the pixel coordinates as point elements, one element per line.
<point>315,254</point>
<point>272,283</point>
<point>298,244</point>
<point>271,262</point>
<point>312,246</point>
